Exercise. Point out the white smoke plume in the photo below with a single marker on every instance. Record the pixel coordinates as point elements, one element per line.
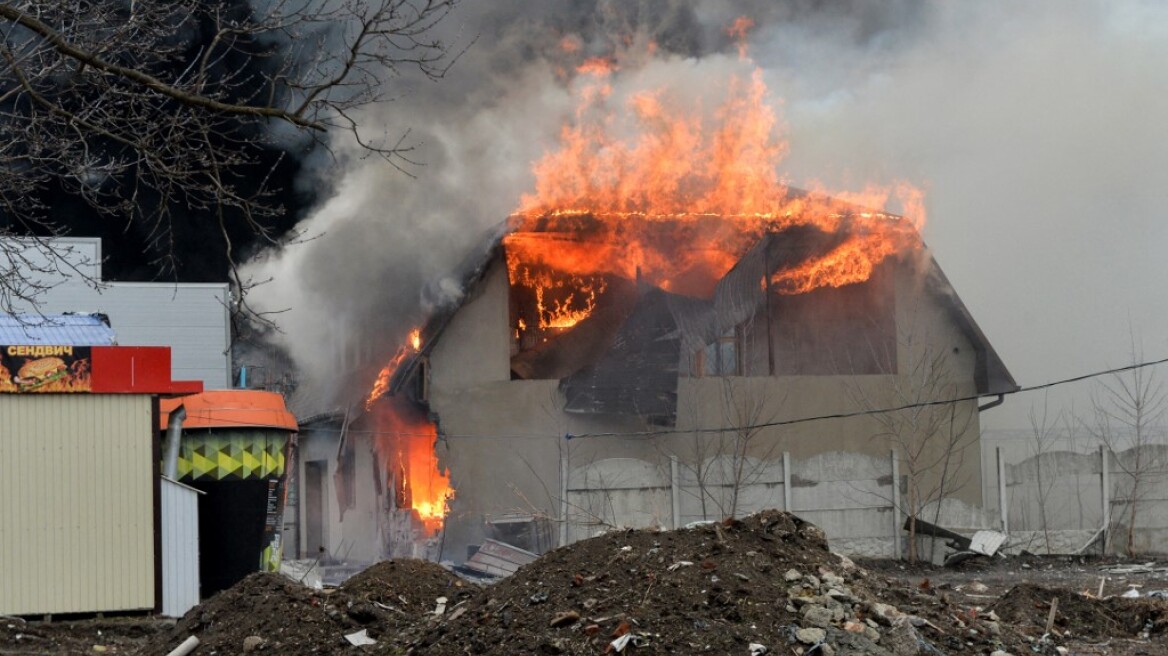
<point>1034,128</point>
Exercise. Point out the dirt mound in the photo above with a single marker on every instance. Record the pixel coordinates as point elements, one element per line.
<point>412,585</point>
<point>1028,606</point>
<point>392,601</point>
<point>765,584</point>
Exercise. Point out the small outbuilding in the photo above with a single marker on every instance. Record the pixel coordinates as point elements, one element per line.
<point>235,448</point>
<point>80,491</point>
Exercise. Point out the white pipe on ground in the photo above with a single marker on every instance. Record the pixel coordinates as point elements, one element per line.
<point>186,647</point>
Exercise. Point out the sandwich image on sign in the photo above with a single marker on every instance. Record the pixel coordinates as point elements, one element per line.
<point>42,371</point>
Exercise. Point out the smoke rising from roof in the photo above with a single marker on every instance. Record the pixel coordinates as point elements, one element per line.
<point>1033,127</point>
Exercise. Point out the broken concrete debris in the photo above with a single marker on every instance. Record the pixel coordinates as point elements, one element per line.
<point>619,594</point>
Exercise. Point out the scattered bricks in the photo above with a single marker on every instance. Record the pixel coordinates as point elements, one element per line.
<point>810,636</point>
<point>832,580</point>
<point>901,640</point>
<point>843,596</point>
<point>884,613</point>
<point>818,616</point>
<point>565,618</point>
<point>854,627</point>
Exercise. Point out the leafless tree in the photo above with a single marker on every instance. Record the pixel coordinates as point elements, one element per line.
<point>145,108</point>
<point>1043,435</point>
<point>931,439</point>
<point>1128,412</point>
<point>725,463</point>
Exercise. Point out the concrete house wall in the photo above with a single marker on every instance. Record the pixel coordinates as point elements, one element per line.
<point>504,441</point>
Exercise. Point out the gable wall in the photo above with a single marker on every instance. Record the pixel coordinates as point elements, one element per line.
<point>504,441</point>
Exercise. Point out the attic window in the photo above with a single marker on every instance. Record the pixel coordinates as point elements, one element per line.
<point>721,357</point>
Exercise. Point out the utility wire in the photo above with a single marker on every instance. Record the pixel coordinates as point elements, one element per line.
<point>750,426</point>
<point>768,424</point>
<point>876,411</point>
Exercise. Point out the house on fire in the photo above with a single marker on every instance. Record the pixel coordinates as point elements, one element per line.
<point>571,399</point>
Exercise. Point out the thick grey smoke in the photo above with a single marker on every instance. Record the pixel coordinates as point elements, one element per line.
<point>1034,127</point>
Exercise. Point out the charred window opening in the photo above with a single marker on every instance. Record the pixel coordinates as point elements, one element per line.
<point>560,322</point>
<point>721,357</point>
<point>545,303</point>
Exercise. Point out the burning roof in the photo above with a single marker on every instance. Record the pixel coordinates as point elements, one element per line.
<point>621,352</point>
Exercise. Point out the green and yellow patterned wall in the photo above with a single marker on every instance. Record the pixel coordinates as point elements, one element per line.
<point>226,454</point>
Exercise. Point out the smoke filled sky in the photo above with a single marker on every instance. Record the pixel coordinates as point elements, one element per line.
<point>1036,130</point>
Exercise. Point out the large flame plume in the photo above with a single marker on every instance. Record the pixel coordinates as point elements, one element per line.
<point>674,197</point>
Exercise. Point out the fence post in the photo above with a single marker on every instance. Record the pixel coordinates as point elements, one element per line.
<point>1003,501</point>
<point>1105,494</point>
<point>787,481</point>
<point>675,491</point>
<point>895,503</point>
<point>564,497</point>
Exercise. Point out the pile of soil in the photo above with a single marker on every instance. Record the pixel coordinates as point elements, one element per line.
<point>763,584</point>
<point>766,584</point>
<point>393,601</point>
<point>1027,606</point>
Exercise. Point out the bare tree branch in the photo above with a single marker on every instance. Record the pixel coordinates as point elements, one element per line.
<point>153,112</point>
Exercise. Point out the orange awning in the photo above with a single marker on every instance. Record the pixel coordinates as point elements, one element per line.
<point>231,409</point>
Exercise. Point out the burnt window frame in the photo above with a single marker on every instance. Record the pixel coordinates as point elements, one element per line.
<point>733,338</point>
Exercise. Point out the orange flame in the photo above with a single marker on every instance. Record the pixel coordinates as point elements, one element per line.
<point>385,376</point>
<point>597,67</point>
<point>676,198</point>
<point>405,443</point>
<point>737,30</point>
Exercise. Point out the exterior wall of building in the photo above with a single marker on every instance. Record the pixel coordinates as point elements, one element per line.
<point>180,548</point>
<point>77,477</point>
<point>504,441</point>
<point>191,318</point>
<point>351,534</point>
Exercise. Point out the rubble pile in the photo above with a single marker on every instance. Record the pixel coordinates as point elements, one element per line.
<point>766,584</point>
<point>763,584</point>
<point>389,604</point>
<point>1077,615</point>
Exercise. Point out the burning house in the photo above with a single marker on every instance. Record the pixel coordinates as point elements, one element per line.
<point>570,379</point>
<point>661,326</point>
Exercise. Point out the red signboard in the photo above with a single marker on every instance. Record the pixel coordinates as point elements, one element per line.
<point>94,369</point>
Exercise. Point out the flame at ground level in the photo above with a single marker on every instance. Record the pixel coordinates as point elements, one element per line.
<point>404,444</point>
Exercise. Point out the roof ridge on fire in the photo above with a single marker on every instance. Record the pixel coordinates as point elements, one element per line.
<point>991,376</point>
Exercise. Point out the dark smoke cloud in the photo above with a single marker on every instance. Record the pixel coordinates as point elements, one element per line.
<point>1032,127</point>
